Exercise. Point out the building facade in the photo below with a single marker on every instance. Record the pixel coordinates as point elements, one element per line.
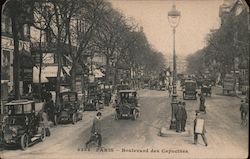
<point>7,49</point>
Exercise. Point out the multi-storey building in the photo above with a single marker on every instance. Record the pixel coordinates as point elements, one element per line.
<point>181,63</point>
<point>7,49</point>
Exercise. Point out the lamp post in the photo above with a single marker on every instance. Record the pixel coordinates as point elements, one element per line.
<point>174,18</point>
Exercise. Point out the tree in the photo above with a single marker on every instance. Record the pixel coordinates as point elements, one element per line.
<point>20,13</point>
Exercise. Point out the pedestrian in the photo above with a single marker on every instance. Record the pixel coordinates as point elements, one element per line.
<point>184,117</point>
<point>49,108</point>
<point>199,128</point>
<point>96,131</point>
<point>202,103</point>
<point>169,90</point>
<point>244,108</point>
<point>178,116</point>
<point>44,121</point>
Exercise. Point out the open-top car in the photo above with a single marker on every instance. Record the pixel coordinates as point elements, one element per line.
<point>22,125</point>
<point>189,91</point>
<point>206,87</point>
<point>127,105</point>
<point>69,109</point>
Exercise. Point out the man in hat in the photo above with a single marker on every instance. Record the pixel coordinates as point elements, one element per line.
<point>199,128</point>
<point>179,116</point>
<point>202,103</point>
<point>96,131</point>
<point>244,108</point>
<point>184,116</point>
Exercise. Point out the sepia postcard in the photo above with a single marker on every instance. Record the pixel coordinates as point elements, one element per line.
<point>124,79</point>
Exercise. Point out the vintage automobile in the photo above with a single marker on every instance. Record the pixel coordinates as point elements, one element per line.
<point>69,109</point>
<point>22,125</point>
<point>127,105</point>
<point>92,101</point>
<point>189,91</point>
<point>229,85</point>
<point>206,87</point>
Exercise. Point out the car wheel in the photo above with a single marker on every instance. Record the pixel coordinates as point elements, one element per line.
<point>24,142</point>
<point>43,134</point>
<point>74,118</point>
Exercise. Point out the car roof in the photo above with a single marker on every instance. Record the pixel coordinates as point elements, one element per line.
<point>127,91</point>
<point>18,102</point>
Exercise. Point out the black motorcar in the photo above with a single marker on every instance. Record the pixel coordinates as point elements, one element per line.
<point>69,109</point>
<point>127,105</point>
<point>93,100</point>
<point>206,87</point>
<point>22,124</point>
<point>189,91</point>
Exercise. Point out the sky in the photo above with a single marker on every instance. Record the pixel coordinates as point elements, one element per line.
<point>197,18</point>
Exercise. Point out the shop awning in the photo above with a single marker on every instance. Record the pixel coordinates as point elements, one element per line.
<point>48,71</point>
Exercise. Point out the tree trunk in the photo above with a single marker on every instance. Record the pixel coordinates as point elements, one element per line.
<point>16,63</point>
<point>73,69</point>
<point>107,70</point>
<point>115,78</point>
<point>40,66</point>
<point>58,78</point>
<point>73,76</point>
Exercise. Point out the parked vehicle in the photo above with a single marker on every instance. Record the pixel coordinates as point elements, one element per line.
<point>189,91</point>
<point>229,84</point>
<point>92,101</point>
<point>206,87</point>
<point>22,125</point>
<point>69,109</point>
<point>127,105</point>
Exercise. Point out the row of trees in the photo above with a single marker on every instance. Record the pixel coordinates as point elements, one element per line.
<point>86,27</point>
<point>225,47</point>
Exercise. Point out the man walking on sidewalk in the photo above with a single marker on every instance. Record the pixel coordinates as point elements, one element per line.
<point>244,108</point>
<point>96,131</point>
<point>179,117</point>
<point>169,90</point>
<point>184,117</point>
<point>199,128</point>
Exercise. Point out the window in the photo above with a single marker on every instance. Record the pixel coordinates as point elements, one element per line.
<point>5,65</point>
<point>3,23</point>
<point>26,30</point>
<point>8,28</point>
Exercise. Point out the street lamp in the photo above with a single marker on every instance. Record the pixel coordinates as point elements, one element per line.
<point>174,18</point>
